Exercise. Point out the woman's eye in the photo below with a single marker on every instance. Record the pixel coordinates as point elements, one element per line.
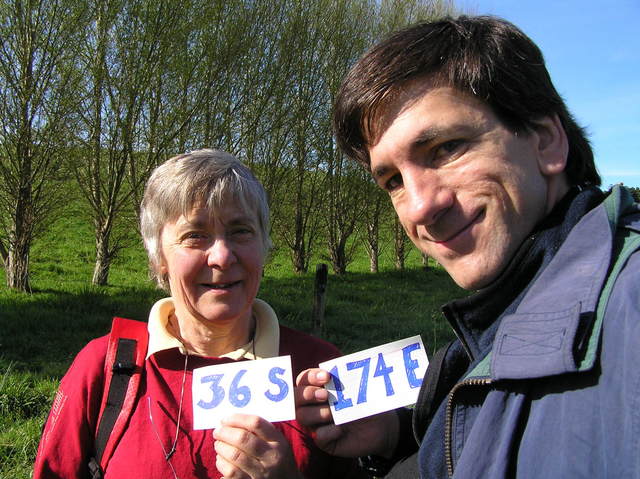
<point>242,231</point>
<point>194,236</point>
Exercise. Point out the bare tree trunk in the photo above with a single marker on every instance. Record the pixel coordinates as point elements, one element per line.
<point>299,252</point>
<point>376,206</point>
<point>4,254</point>
<point>103,256</point>
<point>339,260</point>
<point>425,260</point>
<point>373,251</point>
<point>18,262</point>
<point>20,236</point>
<point>399,256</point>
<point>400,244</point>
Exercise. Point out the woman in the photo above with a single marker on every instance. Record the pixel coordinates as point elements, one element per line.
<point>204,222</point>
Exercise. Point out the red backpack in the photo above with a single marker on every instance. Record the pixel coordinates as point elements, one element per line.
<point>126,352</point>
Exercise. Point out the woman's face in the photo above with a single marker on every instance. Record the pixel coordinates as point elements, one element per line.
<point>214,264</point>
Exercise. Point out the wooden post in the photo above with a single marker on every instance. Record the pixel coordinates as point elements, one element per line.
<point>319,299</point>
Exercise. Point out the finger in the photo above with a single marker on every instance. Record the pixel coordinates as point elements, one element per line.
<point>255,446</point>
<point>310,395</point>
<point>326,436</point>
<point>313,377</point>
<point>314,415</point>
<point>230,462</point>
<point>241,438</point>
<point>255,425</point>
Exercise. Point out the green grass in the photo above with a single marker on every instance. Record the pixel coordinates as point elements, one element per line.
<point>41,332</point>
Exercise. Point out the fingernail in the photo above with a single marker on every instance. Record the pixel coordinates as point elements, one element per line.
<point>320,394</point>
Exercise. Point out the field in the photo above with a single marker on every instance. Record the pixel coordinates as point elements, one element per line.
<point>41,332</point>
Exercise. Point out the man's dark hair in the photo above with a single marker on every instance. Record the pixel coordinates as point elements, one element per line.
<point>483,56</point>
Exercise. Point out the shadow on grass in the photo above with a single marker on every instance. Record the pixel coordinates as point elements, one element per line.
<point>43,331</point>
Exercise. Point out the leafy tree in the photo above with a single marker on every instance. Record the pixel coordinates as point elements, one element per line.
<point>129,118</point>
<point>116,86</point>
<point>377,208</point>
<point>635,191</point>
<point>37,95</point>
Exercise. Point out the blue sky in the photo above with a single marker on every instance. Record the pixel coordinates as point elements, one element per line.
<point>592,50</point>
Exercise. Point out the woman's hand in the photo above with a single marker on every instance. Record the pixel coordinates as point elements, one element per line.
<point>376,434</point>
<point>251,447</point>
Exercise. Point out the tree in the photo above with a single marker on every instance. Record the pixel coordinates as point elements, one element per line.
<point>116,86</point>
<point>377,207</point>
<point>127,122</point>
<point>302,190</point>
<point>400,244</point>
<point>343,41</point>
<point>37,88</point>
<point>635,192</point>
<point>351,203</point>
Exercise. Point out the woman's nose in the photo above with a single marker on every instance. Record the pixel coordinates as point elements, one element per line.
<point>220,254</point>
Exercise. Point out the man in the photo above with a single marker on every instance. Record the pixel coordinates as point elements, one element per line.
<point>491,176</point>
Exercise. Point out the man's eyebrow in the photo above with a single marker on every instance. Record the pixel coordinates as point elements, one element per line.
<point>431,134</point>
<point>379,172</point>
<point>427,136</point>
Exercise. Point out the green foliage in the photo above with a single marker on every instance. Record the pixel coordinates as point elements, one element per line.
<point>24,401</point>
<point>254,78</point>
<point>635,191</point>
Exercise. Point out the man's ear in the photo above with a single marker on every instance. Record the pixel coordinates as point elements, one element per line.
<point>553,146</point>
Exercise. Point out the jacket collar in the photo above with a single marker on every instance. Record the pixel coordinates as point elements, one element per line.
<point>551,327</point>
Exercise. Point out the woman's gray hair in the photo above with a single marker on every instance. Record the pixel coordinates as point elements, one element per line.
<point>207,176</point>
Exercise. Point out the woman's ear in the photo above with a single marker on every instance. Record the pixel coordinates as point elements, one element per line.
<point>162,268</point>
<point>553,145</point>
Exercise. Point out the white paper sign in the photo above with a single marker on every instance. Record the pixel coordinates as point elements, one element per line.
<point>376,380</point>
<point>263,387</point>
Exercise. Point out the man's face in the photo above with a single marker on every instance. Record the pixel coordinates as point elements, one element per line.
<point>467,190</point>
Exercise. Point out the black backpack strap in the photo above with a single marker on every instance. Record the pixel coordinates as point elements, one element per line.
<point>437,382</point>
<point>123,368</point>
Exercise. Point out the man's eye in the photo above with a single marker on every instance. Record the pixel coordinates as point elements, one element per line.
<point>448,147</point>
<point>394,182</point>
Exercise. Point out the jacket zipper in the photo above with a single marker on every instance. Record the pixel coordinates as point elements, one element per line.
<point>449,419</point>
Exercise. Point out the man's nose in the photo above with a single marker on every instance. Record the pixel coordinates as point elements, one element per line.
<point>427,198</point>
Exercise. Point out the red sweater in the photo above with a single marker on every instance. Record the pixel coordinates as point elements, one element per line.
<point>67,440</point>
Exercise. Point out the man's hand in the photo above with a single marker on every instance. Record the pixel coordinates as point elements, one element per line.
<point>372,435</point>
<point>250,447</point>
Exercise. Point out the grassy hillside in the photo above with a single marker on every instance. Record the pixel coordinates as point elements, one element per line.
<point>41,332</point>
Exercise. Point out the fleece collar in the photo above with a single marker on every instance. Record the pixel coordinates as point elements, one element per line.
<point>266,337</point>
